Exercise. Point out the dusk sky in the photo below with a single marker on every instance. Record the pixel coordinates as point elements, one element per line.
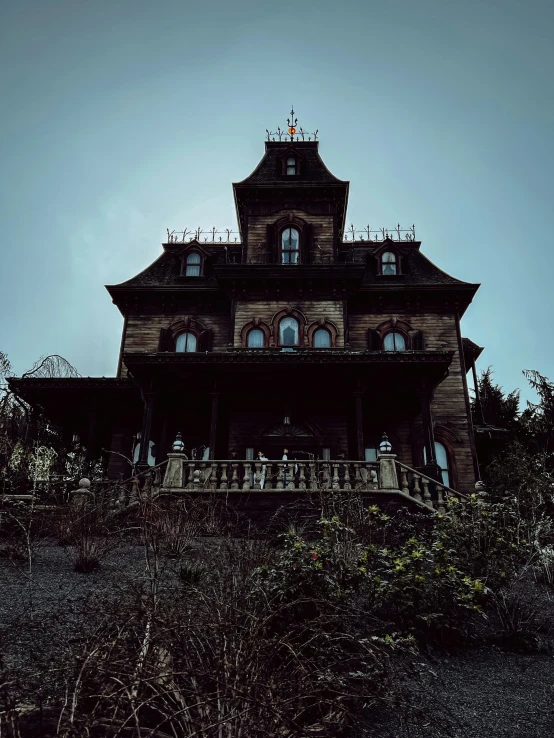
<point>121,118</point>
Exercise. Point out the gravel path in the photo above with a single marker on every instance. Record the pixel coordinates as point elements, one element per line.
<point>484,693</point>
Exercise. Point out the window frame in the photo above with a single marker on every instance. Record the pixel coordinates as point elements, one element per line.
<point>251,330</point>
<point>187,332</point>
<point>395,332</point>
<point>293,166</point>
<point>322,329</point>
<point>298,250</point>
<point>298,334</point>
<point>384,263</point>
<point>197,264</point>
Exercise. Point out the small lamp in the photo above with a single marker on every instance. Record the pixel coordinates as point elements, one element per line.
<point>178,445</point>
<point>385,446</point>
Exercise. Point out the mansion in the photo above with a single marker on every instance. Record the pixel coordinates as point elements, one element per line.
<point>293,336</point>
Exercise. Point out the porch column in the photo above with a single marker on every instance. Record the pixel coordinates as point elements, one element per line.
<point>213,424</point>
<point>91,438</point>
<point>149,398</point>
<point>478,405</point>
<point>358,394</point>
<point>430,468</point>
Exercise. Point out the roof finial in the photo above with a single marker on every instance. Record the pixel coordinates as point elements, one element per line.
<point>291,123</point>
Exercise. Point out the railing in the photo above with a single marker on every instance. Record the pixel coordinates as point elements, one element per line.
<point>377,235</point>
<point>279,475</point>
<point>424,489</point>
<point>212,235</point>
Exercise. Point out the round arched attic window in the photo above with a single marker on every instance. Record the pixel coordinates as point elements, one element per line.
<point>389,263</point>
<point>193,265</point>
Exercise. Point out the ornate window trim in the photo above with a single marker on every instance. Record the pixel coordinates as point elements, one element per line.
<point>413,339</point>
<point>388,246</point>
<point>291,153</point>
<point>260,325</point>
<point>194,248</point>
<point>328,326</point>
<point>186,324</point>
<point>288,312</point>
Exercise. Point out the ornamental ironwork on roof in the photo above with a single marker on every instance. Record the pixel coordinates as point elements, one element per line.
<point>291,133</point>
<point>211,236</point>
<point>377,235</point>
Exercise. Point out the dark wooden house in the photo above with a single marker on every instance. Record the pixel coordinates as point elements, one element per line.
<point>293,333</point>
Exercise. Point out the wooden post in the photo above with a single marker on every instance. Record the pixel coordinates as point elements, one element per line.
<point>213,424</point>
<point>478,405</point>
<point>358,394</point>
<point>149,398</point>
<point>431,467</point>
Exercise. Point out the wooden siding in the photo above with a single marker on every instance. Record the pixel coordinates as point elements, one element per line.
<point>313,310</point>
<point>448,406</point>
<point>258,251</point>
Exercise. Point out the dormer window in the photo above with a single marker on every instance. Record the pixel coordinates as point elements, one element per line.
<point>388,263</point>
<point>290,246</point>
<point>192,267</point>
<point>291,166</point>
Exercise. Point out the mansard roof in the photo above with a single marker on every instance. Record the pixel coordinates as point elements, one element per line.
<point>417,269</point>
<point>268,171</point>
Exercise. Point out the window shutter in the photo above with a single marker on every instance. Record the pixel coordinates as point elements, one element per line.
<point>417,341</point>
<point>307,237</point>
<point>205,341</point>
<point>373,340</point>
<point>272,246</point>
<point>165,340</point>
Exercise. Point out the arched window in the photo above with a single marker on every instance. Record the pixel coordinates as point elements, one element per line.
<point>255,338</point>
<point>442,462</point>
<point>290,246</point>
<point>394,342</point>
<point>291,165</point>
<point>193,265</point>
<point>289,332</point>
<point>321,338</point>
<point>388,263</point>
<point>186,343</point>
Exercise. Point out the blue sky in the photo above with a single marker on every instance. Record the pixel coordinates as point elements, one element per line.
<point>123,118</point>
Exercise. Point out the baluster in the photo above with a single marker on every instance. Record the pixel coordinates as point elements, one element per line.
<point>374,478</point>
<point>196,480</point>
<point>417,488</point>
<point>203,473</point>
<point>325,476</point>
<point>190,474</point>
<point>404,481</point>
<point>347,484</point>
<point>235,476</point>
<point>280,476</point>
<point>213,476</point>
<point>357,477</point>
<point>223,479</point>
<point>258,475</point>
<point>301,476</point>
<point>268,476</point>
<point>313,476</point>
<point>246,479</point>
<point>440,500</point>
<point>426,494</point>
<point>336,484</point>
<point>291,471</point>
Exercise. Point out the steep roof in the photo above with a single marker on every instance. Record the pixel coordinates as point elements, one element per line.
<point>314,170</point>
<point>417,269</point>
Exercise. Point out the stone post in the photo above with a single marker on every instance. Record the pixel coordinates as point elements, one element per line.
<point>174,477</point>
<point>388,479</point>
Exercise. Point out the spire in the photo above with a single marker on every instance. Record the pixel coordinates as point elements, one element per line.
<point>292,133</point>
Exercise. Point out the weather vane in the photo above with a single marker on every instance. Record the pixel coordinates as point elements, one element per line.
<point>291,122</point>
<point>292,133</point>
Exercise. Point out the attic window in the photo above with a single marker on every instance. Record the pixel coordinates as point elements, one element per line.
<point>394,342</point>
<point>388,263</point>
<point>192,268</point>
<point>291,166</point>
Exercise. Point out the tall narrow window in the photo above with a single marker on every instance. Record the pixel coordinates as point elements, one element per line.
<point>321,338</point>
<point>186,343</point>
<point>394,342</point>
<point>290,246</point>
<point>255,338</point>
<point>442,462</point>
<point>388,263</point>
<point>289,332</point>
<point>291,165</point>
<point>193,265</point>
